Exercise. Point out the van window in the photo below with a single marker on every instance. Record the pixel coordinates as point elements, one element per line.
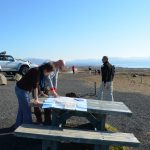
<point>9,58</point>
<point>2,58</point>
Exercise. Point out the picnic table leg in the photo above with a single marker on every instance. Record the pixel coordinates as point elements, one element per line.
<point>54,145</point>
<point>101,127</point>
<point>46,145</point>
<point>100,147</point>
<point>54,118</point>
<point>101,123</point>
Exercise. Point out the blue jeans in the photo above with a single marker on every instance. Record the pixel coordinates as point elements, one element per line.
<point>24,110</point>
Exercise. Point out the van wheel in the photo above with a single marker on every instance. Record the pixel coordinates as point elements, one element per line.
<point>23,70</point>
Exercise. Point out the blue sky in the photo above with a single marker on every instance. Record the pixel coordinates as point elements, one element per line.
<point>75,29</point>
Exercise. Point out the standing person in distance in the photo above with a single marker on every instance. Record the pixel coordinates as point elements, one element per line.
<point>107,72</point>
<point>73,69</point>
<point>90,70</point>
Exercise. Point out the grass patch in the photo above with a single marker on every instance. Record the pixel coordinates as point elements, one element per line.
<point>113,129</point>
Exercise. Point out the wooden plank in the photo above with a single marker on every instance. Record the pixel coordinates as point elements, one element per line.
<point>46,145</point>
<point>77,136</point>
<point>54,145</point>
<point>101,147</point>
<point>108,107</point>
<point>101,127</point>
<point>103,107</point>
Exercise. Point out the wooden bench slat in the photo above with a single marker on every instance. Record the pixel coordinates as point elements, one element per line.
<point>76,136</point>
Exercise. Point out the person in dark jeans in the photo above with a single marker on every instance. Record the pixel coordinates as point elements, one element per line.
<point>30,82</point>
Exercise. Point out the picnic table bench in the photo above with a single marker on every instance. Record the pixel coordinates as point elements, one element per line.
<point>47,133</point>
<point>96,113</point>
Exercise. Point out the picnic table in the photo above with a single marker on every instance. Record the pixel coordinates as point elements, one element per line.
<point>96,113</point>
<point>94,107</point>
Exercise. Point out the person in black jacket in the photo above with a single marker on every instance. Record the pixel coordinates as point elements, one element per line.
<point>107,72</point>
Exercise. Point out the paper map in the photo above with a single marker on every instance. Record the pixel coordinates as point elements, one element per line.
<point>68,103</point>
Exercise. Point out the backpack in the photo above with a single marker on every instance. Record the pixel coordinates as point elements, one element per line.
<point>113,71</point>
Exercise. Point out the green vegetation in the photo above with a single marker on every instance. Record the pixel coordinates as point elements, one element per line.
<point>113,129</point>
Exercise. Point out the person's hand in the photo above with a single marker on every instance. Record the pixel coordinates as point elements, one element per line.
<point>105,85</point>
<point>43,94</point>
<point>55,94</point>
<point>36,102</point>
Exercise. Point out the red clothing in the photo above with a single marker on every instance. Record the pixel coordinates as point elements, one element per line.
<point>73,67</point>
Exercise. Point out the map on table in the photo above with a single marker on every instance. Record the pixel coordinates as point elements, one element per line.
<point>67,103</point>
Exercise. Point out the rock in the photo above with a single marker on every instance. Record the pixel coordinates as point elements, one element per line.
<point>134,75</point>
<point>17,77</point>
<point>3,80</point>
<point>71,94</point>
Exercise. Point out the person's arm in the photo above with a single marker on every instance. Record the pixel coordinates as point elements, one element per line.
<point>104,72</point>
<point>35,83</point>
<point>55,80</point>
<point>35,95</point>
<point>43,94</point>
<point>113,71</point>
<point>51,86</point>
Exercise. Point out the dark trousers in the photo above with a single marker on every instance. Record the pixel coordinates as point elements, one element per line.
<point>47,115</point>
<point>24,111</point>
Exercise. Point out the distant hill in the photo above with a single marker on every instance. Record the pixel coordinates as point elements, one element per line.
<point>118,62</point>
<point>37,61</point>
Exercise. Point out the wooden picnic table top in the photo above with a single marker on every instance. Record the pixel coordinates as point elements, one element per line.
<point>101,107</point>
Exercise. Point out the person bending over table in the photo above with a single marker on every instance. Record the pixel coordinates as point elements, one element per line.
<point>30,82</point>
<point>51,83</point>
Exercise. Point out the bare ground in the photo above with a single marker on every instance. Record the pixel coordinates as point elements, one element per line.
<point>135,95</point>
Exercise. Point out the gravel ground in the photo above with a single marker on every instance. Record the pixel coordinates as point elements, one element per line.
<point>139,123</point>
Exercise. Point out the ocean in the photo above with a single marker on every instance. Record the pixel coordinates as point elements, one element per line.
<point>118,62</point>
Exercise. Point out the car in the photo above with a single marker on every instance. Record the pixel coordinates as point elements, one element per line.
<point>11,66</point>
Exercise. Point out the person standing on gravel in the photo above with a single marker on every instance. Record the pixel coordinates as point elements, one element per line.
<point>90,70</point>
<point>107,72</point>
<point>73,69</point>
<point>30,82</point>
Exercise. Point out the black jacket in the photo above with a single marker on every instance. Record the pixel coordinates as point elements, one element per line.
<point>108,72</point>
<point>30,80</point>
